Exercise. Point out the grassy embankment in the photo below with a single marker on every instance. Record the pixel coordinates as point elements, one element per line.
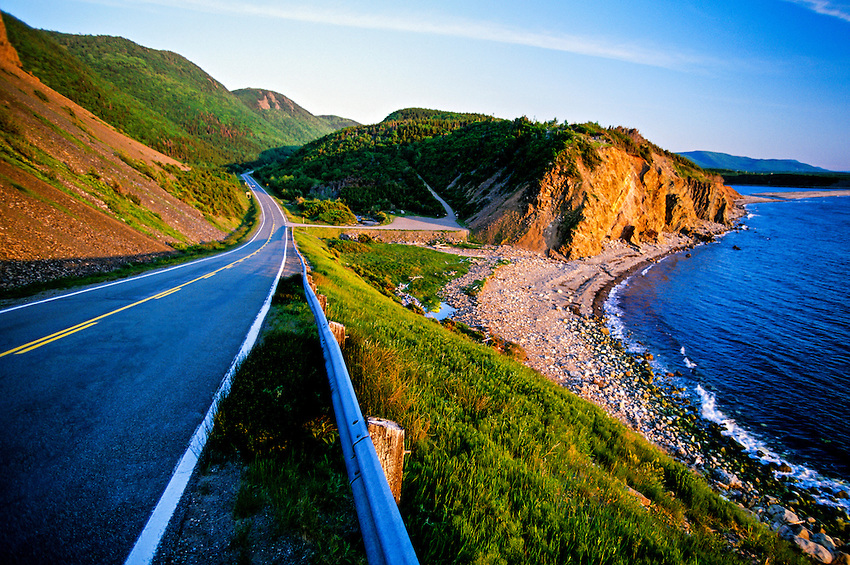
<point>236,237</point>
<point>506,467</point>
<point>158,97</point>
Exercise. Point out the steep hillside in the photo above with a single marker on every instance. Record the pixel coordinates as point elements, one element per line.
<point>289,118</point>
<point>567,189</point>
<point>557,188</point>
<point>157,97</point>
<point>75,191</point>
<point>714,160</point>
<point>370,167</point>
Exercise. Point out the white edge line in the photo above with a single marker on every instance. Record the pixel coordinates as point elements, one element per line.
<point>137,277</point>
<point>148,542</point>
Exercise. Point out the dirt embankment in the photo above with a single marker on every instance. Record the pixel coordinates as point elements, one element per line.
<point>60,179</point>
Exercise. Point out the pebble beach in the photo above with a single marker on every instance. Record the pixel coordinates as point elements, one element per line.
<point>554,310</point>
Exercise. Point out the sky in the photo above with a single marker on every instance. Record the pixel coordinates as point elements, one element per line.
<point>765,79</point>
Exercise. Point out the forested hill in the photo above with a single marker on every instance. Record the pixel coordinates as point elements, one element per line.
<point>371,167</point>
<point>558,188</point>
<point>289,118</point>
<point>726,162</point>
<point>159,97</point>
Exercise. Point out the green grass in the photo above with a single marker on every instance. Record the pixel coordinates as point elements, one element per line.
<point>388,266</point>
<point>131,268</point>
<point>278,420</point>
<point>507,467</point>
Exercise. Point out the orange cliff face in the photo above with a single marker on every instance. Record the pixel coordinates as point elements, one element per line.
<point>623,197</point>
<point>8,54</point>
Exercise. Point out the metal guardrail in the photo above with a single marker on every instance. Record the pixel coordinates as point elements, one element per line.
<point>384,533</point>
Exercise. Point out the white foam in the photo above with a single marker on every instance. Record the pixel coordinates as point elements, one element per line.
<point>690,364</point>
<point>614,313</point>
<point>804,477</point>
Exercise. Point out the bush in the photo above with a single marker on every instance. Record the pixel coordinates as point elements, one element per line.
<point>331,212</point>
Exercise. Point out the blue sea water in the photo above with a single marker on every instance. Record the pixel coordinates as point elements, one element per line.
<point>759,325</point>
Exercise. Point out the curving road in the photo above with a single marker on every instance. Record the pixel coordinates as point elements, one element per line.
<point>101,391</point>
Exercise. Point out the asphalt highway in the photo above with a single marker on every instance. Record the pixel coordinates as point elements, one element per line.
<point>101,391</point>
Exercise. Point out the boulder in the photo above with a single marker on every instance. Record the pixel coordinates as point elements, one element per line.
<point>780,514</point>
<point>726,478</point>
<point>789,532</point>
<point>823,540</point>
<point>813,549</point>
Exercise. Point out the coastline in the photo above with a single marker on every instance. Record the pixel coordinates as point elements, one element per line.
<point>554,310</point>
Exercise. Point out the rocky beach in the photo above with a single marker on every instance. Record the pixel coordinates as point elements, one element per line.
<point>553,310</point>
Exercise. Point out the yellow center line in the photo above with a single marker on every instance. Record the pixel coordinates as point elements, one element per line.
<point>27,347</point>
<point>60,336</point>
<point>167,293</point>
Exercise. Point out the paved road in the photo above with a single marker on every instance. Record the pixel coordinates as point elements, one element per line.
<point>101,391</point>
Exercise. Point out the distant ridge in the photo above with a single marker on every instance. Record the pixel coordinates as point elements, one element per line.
<point>714,160</point>
<point>288,117</point>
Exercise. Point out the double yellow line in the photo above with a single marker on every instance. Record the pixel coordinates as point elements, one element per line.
<point>27,347</point>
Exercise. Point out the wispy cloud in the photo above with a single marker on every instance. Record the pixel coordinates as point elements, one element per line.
<point>840,10</point>
<point>339,15</point>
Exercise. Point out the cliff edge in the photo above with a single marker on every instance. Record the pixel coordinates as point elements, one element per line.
<point>623,197</point>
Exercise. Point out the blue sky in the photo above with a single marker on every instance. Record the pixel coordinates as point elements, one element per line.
<point>761,78</point>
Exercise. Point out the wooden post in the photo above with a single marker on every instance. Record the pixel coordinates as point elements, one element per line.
<point>339,333</point>
<point>323,302</point>
<point>388,438</point>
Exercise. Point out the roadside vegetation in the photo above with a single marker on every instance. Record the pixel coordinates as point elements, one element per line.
<point>392,268</point>
<point>278,421</point>
<point>505,466</point>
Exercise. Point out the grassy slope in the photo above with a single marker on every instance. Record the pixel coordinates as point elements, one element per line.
<point>169,85</point>
<point>507,467</point>
<point>157,97</point>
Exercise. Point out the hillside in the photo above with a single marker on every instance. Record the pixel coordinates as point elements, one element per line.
<point>288,117</point>
<point>556,188</point>
<point>726,162</point>
<point>159,97</point>
<point>77,194</point>
<point>370,167</point>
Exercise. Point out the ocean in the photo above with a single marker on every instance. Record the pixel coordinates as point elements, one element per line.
<point>758,324</point>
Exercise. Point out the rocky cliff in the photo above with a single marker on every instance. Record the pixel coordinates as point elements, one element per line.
<point>578,203</point>
<point>8,54</point>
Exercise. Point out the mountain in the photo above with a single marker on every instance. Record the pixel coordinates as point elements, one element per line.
<point>723,161</point>
<point>556,188</point>
<point>76,195</point>
<point>288,117</point>
<point>160,98</point>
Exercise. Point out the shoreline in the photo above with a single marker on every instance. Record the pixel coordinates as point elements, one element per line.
<point>554,310</point>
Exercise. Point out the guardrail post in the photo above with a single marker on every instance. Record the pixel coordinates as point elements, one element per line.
<point>388,438</point>
<point>339,333</point>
